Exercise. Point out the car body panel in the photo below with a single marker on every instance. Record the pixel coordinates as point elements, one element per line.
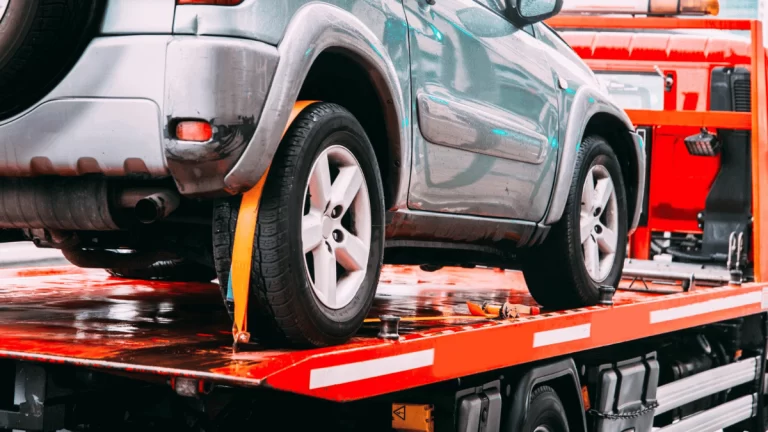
<point>487,113</point>
<point>175,74</point>
<point>41,137</point>
<point>637,141</point>
<point>314,28</point>
<point>585,103</point>
<point>48,152</point>
<point>229,92</point>
<point>138,17</point>
<point>478,128</point>
<point>581,99</point>
<point>262,20</point>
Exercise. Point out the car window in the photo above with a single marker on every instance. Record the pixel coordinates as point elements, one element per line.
<point>634,90</point>
<point>499,6</point>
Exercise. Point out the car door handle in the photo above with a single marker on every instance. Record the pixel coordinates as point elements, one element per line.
<point>430,2</point>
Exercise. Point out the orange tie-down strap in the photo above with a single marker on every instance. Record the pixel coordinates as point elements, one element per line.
<point>242,251</point>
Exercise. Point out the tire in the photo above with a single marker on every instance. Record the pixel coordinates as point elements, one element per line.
<point>168,270</point>
<point>546,412</point>
<point>284,306</point>
<point>556,272</point>
<point>39,42</point>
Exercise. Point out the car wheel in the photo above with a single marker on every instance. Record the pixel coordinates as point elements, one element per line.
<point>39,41</point>
<point>587,247</point>
<point>319,241</point>
<point>179,270</point>
<point>546,412</point>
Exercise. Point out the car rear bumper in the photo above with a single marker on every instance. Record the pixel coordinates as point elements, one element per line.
<point>114,113</point>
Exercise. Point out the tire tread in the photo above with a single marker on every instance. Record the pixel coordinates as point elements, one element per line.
<point>547,396</point>
<point>548,268</point>
<point>53,39</point>
<point>271,307</point>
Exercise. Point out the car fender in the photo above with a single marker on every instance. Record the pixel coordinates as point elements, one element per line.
<point>313,29</point>
<point>586,103</point>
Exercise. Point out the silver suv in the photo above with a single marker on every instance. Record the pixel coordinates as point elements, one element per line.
<point>309,142</point>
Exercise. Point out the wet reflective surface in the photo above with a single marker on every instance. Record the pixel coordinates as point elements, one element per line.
<point>87,317</point>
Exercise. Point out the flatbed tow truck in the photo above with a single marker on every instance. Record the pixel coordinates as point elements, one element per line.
<point>672,348</point>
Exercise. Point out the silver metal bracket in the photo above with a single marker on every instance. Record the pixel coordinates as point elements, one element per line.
<point>685,276</point>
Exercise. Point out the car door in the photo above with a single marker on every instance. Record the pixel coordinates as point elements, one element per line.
<point>485,132</point>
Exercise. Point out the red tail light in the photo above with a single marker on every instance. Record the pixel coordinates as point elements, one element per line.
<point>210,2</point>
<point>194,130</point>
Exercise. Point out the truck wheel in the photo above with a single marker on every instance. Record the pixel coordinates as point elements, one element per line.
<point>587,247</point>
<point>319,239</point>
<point>39,41</point>
<point>546,413</point>
<point>168,270</point>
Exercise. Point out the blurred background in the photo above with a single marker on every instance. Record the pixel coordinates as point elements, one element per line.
<point>742,8</point>
<point>25,254</point>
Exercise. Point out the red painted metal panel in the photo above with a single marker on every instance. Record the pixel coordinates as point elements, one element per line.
<point>83,317</point>
<point>605,22</point>
<point>680,182</point>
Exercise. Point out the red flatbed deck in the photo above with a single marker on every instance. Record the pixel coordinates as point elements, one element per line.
<point>84,317</point>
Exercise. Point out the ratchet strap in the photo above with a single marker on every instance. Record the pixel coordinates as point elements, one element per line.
<point>239,282</point>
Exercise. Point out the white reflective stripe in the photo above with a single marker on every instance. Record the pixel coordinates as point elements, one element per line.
<point>565,334</point>
<point>706,307</point>
<point>351,372</point>
<point>764,303</point>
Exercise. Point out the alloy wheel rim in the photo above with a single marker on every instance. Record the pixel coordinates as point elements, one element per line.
<point>598,223</point>
<point>336,227</point>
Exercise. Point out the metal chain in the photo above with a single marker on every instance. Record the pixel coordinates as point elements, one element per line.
<point>629,415</point>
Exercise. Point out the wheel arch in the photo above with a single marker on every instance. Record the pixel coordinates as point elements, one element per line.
<point>318,32</point>
<point>563,377</point>
<point>620,139</point>
<point>340,76</point>
<point>593,113</point>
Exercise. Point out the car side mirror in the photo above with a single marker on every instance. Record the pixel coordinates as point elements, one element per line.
<point>524,12</point>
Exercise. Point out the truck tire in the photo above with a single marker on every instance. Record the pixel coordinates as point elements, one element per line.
<point>319,240</point>
<point>168,270</point>
<point>587,246</point>
<point>546,412</point>
<point>40,40</point>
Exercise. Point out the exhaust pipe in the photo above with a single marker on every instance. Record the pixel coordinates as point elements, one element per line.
<point>77,203</point>
<point>156,206</point>
<point>149,204</point>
